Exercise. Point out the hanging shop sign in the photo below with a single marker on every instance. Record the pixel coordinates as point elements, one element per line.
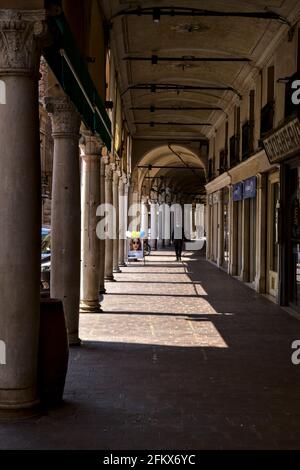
<point>284,142</point>
<point>238,192</point>
<point>249,188</point>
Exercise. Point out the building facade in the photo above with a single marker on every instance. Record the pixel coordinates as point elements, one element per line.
<point>253,189</point>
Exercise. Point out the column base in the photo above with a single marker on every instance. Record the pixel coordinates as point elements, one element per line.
<point>122,265</point>
<point>18,400</point>
<point>74,340</point>
<point>90,307</point>
<point>8,415</point>
<point>110,279</point>
<point>102,291</point>
<point>117,270</point>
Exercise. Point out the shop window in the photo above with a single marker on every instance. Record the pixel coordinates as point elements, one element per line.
<point>267,118</point>
<point>210,169</point>
<point>223,162</point>
<point>245,140</point>
<point>268,111</point>
<point>233,148</point>
<point>290,108</point>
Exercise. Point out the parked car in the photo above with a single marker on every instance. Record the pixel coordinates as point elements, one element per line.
<point>45,258</point>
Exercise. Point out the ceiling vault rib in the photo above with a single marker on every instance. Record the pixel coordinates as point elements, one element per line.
<point>153,87</point>
<point>161,123</point>
<point>156,59</point>
<point>181,159</point>
<point>157,12</point>
<point>150,167</point>
<point>153,109</point>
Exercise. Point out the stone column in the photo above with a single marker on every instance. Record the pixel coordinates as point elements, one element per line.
<point>91,148</point>
<point>261,233</point>
<point>102,289</point>
<point>168,232</point>
<point>109,243</point>
<point>154,224</point>
<point>20,205</point>
<point>65,231</point>
<point>116,178</point>
<point>144,216</point>
<point>122,224</point>
<point>160,241</point>
<point>126,218</point>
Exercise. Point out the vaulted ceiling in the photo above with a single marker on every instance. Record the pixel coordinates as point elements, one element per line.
<point>154,48</point>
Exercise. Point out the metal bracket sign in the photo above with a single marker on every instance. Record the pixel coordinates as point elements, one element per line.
<point>238,192</point>
<point>249,189</point>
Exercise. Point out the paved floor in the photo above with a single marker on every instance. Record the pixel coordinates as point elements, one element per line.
<point>184,357</point>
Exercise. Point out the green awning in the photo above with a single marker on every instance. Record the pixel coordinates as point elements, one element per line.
<point>71,71</point>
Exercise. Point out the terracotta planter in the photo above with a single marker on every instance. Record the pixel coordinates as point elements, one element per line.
<point>53,352</point>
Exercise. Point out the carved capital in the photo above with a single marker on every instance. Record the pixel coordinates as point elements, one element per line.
<point>109,172</point>
<point>21,33</point>
<point>65,119</point>
<point>90,145</point>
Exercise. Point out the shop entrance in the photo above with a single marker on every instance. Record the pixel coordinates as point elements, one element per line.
<point>226,227</point>
<point>272,240</point>
<point>294,235</point>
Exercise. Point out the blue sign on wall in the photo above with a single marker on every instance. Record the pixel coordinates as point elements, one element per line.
<point>238,192</point>
<point>250,188</point>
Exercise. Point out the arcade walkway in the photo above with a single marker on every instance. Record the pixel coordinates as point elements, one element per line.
<point>184,357</point>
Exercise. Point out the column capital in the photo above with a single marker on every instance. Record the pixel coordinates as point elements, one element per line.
<point>144,199</point>
<point>21,32</point>
<point>116,176</point>
<point>64,116</point>
<point>90,144</point>
<point>109,172</point>
<point>123,178</point>
<point>105,159</point>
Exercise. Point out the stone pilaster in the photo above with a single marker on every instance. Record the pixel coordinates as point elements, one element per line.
<point>233,231</point>
<point>21,33</point>
<point>220,255</point>
<point>245,274</point>
<point>91,148</point>
<point>65,235</point>
<point>261,233</point>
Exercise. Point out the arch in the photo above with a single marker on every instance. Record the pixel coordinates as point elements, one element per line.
<point>154,168</point>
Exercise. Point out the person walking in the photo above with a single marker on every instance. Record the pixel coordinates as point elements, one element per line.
<point>178,239</point>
